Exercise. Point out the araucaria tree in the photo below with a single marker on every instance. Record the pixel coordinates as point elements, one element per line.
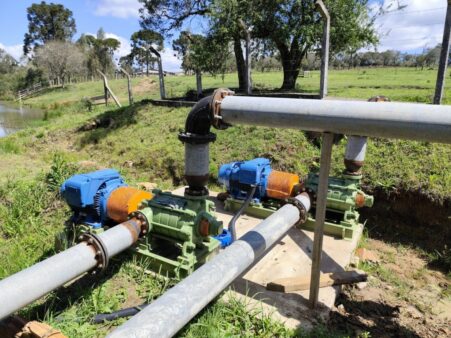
<point>292,27</point>
<point>99,51</point>
<point>48,22</point>
<point>141,53</point>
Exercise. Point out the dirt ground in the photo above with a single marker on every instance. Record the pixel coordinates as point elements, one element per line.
<point>402,298</point>
<point>145,86</point>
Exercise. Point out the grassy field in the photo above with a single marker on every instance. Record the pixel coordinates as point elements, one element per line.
<point>141,141</point>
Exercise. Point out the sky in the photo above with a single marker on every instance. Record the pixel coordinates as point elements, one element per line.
<point>419,25</point>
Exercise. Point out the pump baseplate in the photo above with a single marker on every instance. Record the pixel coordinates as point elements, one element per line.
<point>343,227</point>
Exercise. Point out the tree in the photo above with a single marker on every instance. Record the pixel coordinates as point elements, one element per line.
<point>59,60</point>
<point>7,63</point>
<point>294,27</point>
<point>200,53</point>
<point>166,16</point>
<point>47,22</point>
<point>141,41</point>
<point>99,50</point>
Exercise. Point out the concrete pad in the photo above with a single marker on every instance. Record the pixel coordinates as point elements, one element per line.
<point>290,257</point>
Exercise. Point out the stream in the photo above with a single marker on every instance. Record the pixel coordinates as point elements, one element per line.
<point>13,118</point>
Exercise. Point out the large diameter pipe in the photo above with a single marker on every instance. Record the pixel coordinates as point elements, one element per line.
<point>36,281</point>
<point>175,308</point>
<point>420,122</point>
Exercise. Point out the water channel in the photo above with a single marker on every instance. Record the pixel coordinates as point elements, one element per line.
<point>13,118</point>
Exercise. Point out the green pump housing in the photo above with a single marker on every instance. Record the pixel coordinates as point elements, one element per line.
<point>344,197</point>
<point>178,238</point>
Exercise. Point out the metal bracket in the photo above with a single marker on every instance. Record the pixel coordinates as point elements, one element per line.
<point>102,257</point>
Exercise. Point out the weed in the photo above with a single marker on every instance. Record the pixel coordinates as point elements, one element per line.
<point>59,172</point>
<point>9,146</point>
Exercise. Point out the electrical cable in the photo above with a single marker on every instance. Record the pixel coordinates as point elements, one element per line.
<point>246,203</point>
<point>127,312</point>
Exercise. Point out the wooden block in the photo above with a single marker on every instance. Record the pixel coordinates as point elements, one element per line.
<point>299,283</point>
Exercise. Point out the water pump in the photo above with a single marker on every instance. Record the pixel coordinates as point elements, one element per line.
<point>274,187</point>
<point>177,231</point>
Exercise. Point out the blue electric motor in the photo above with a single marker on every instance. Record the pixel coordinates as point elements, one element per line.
<point>238,177</point>
<point>87,195</point>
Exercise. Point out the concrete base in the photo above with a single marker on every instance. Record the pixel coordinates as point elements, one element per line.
<point>290,257</point>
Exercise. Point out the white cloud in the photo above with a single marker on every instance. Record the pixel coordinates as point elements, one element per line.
<point>124,48</point>
<point>417,26</point>
<point>170,61</point>
<point>118,8</point>
<point>16,51</point>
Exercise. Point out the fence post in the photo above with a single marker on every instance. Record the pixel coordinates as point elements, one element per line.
<point>324,47</point>
<point>129,86</point>
<point>444,54</point>
<point>199,83</point>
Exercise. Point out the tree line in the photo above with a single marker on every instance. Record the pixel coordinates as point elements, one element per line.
<point>285,36</point>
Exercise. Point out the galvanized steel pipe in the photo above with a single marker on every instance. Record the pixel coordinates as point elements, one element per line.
<point>420,122</point>
<point>31,284</point>
<point>175,308</point>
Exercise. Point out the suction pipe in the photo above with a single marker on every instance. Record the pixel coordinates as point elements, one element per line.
<point>30,284</point>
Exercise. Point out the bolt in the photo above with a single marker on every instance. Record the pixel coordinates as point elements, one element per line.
<point>90,241</point>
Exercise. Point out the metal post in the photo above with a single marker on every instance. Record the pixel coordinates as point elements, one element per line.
<point>324,47</point>
<point>161,76</point>
<point>439,87</point>
<point>247,34</point>
<point>160,72</point>
<point>199,83</point>
<point>129,86</point>
<point>320,216</point>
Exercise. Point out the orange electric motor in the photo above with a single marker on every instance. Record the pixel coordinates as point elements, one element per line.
<point>282,185</point>
<point>125,200</point>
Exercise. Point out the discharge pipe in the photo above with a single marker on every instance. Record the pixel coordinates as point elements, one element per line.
<point>93,252</point>
<point>412,121</point>
<point>175,308</point>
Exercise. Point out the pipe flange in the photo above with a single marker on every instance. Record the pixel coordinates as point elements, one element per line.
<point>196,138</point>
<point>215,107</point>
<point>197,192</point>
<point>302,211</point>
<point>102,257</point>
<point>138,215</point>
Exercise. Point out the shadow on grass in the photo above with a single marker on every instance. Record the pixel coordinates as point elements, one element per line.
<point>103,124</point>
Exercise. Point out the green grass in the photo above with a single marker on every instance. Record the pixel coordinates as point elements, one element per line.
<point>36,160</point>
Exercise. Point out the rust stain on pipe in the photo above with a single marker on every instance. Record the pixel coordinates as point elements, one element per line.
<point>134,226</point>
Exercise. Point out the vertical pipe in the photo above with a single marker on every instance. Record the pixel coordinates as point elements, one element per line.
<point>320,216</point>
<point>444,55</point>
<point>355,154</point>
<point>197,164</point>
